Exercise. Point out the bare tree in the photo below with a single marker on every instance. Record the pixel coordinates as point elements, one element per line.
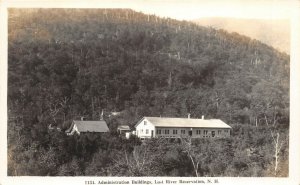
<point>144,160</point>
<point>136,163</point>
<point>54,110</point>
<point>170,80</point>
<point>277,143</point>
<point>193,153</point>
<point>277,146</point>
<point>56,107</point>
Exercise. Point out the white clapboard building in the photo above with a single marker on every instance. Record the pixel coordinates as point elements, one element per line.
<point>149,127</point>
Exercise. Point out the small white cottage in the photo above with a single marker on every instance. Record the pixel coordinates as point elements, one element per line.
<point>149,127</point>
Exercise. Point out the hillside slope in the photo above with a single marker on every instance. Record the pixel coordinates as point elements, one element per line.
<point>106,58</point>
<point>65,63</point>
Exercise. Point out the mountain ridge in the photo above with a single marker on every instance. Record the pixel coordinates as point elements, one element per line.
<point>158,49</point>
<point>272,32</point>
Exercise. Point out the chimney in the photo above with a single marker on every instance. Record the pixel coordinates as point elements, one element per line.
<point>101,115</point>
<point>189,115</point>
<point>202,117</point>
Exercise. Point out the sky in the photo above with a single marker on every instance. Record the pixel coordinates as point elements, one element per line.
<point>181,9</point>
<point>189,10</point>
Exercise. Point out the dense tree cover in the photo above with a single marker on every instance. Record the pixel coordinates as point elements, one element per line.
<point>65,63</point>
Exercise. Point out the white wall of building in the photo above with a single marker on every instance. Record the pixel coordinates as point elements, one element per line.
<point>196,132</point>
<point>74,129</point>
<point>171,132</point>
<point>144,129</point>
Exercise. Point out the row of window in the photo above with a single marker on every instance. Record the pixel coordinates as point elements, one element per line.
<point>170,136</point>
<point>147,131</point>
<point>198,132</point>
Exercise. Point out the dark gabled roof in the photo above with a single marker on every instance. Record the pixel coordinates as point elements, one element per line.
<point>91,126</point>
<point>123,127</point>
<point>186,122</point>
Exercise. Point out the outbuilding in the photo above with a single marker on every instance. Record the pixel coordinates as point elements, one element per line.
<point>81,126</point>
<point>122,129</point>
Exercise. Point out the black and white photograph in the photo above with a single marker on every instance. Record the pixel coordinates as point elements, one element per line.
<point>162,90</point>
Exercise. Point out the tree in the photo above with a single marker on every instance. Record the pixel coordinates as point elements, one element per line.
<point>195,155</point>
<point>71,168</point>
<point>144,160</point>
<point>277,144</point>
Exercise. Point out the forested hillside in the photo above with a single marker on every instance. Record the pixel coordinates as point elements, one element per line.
<point>65,63</point>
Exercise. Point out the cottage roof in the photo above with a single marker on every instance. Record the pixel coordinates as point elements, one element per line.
<point>186,122</point>
<point>91,126</point>
<point>123,127</point>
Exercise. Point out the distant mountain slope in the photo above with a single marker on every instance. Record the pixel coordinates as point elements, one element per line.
<point>117,59</point>
<point>275,33</point>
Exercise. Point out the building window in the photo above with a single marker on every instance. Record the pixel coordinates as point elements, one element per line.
<point>166,131</point>
<point>212,133</point>
<point>182,131</point>
<point>205,132</point>
<point>158,131</point>
<point>219,132</point>
<point>174,131</point>
<point>145,122</point>
<point>141,131</point>
<point>147,131</point>
<point>198,132</point>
